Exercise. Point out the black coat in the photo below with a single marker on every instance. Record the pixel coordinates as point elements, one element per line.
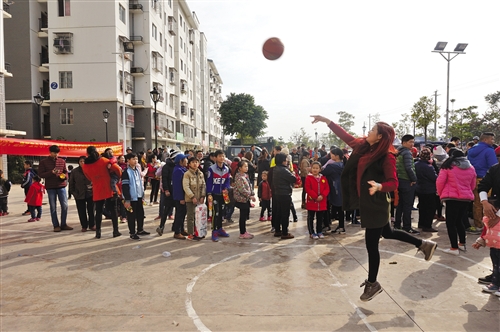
<point>426,177</point>
<point>283,180</point>
<point>166,178</point>
<point>492,181</point>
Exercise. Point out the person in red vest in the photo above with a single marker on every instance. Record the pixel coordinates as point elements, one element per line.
<point>97,169</point>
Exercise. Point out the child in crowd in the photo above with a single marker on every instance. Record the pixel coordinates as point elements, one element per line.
<point>4,194</point>
<point>490,237</point>
<point>133,194</point>
<point>265,194</point>
<point>243,194</point>
<point>27,181</point>
<point>34,198</point>
<point>317,190</point>
<point>194,186</point>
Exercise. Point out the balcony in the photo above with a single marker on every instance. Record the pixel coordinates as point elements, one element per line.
<point>135,7</point>
<point>44,62</point>
<point>137,40</point>
<point>138,135</point>
<point>137,71</point>
<point>6,10</point>
<point>136,103</point>
<point>8,69</point>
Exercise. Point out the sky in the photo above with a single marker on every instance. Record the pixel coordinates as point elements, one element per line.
<point>361,57</point>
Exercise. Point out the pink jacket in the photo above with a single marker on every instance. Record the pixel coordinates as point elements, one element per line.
<point>456,183</point>
<point>492,235</point>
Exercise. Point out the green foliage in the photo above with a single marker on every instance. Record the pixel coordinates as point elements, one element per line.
<point>240,116</point>
<point>465,123</point>
<point>423,113</point>
<point>346,121</point>
<point>403,126</point>
<point>299,137</point>
<point>15,165</point>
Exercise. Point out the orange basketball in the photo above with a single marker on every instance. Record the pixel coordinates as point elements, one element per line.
<point>273,48</point>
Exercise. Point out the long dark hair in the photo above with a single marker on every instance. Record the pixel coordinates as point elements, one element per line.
<point>92,153</point>
<point>384,145</point>
<point>454,154</point>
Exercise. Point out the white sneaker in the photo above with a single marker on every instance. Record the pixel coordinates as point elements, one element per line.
<point>321,236</point>
<point>452,252</point>
<point>497,293</point>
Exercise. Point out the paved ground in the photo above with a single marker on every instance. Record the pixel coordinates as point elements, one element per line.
<point>71,281</point>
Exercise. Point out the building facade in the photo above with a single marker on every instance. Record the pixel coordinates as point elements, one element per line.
<point>85,58</point>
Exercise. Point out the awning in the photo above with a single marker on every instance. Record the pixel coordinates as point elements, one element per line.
<point>33,147</point>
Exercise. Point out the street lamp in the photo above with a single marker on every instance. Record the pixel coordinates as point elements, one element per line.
<point>39,101</point>
<point>364,128</point>
<point>316,134</point>
<point>459,49</point>
<point>105,114</point>
<point>155,96</point>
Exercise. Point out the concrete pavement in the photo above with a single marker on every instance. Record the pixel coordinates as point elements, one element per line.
<point>72,281</point>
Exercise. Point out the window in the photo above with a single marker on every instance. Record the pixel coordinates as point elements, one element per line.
<point>159,88</point>
<point>66,116</point>
<point>129,82</point>
<point>161,39</point>
<point>63,43</point>
<point>64,7</point>
<point>171,75</point>
<point>157,61</point>
<point>170,3</point>
<point>171,25</point>
<point>65,80</point>
<point>121,12</point>
<point>170,51</point>
<point>181,42</point>
<point>180,20</point>
<point>154,31</point>
<point>182,65</point>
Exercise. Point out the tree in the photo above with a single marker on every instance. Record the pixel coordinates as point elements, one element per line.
<point>240,116</point>
<point>346,121</point>
<point>465,123</point>
<point>299,137</point>
<point>492,116</point>
<point>403,126</point>
<point>423,113</point>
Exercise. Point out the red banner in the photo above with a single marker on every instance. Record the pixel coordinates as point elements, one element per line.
<point>34,147</point>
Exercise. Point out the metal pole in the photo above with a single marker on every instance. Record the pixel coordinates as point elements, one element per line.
<point>435,114</point>
<point>447,95</point>
<point>106,121</point>
<point>156,130</point>
<point>41,120</point>
<point>124,117</point>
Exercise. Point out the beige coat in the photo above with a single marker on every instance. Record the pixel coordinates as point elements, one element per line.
<point>194,185</point>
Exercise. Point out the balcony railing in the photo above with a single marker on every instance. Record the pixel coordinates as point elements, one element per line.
<point>135,6</point>
<point>6,7</point>
<point>44,58</point>
<point>138,134</point>
<point>9,125</point>
<point>137,102</point>
<point>46,95</point>
<point>8,67</point>
<point>136,39</point>
<point>136,70</point>
<point>43,23</point>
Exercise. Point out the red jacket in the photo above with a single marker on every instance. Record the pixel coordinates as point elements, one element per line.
<point>315,187</point>
<point>264,191</point>
<point>98,173</point>
<point>35,194</point>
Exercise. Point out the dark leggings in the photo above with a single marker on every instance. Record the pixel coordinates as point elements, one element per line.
<point>455,211</point>
<point>155,186</point>
<point>319,221</point>
<point>244,211</point>
<point>372,237</point>
<point>338,214</point>
<point>303,179</point>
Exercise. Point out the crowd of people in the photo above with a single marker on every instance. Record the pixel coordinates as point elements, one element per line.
<point>368,183</point>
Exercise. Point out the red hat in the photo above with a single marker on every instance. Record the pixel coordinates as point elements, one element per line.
<point>497,151</point>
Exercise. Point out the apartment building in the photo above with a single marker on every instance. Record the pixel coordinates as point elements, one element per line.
<point>5,72</point>
<point>87,57</point>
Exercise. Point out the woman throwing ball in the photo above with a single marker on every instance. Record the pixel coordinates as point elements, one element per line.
<point>368,177</point>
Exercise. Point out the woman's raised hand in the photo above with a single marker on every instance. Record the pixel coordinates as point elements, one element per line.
<point>319,118</point>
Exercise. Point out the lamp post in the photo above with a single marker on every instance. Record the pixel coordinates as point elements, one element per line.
<point>459,49</point>
<point>39,101</point>
<point>155,96</point>
<point>316,134</point>
<point>364,128</point>
<point>105,114</point>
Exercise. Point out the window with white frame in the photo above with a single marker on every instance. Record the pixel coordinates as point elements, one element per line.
<point>159,88</point>
<point>66,116</point>
<point>64,7</point>
<point>65,80</point>
<point>161,39</point>
<point>157,61</point>
<point>170,51</point>
<point>121,12</point>
<point>181,42</point>
<point>154,31</point>
<point>129,82</point>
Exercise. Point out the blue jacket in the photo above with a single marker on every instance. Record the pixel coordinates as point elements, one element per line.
<point>333,172</point>
<point>426,177</point>
<point>218,179</point>
<point>177,176</point>
<point>482,156</point>
<point>132,184</point>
